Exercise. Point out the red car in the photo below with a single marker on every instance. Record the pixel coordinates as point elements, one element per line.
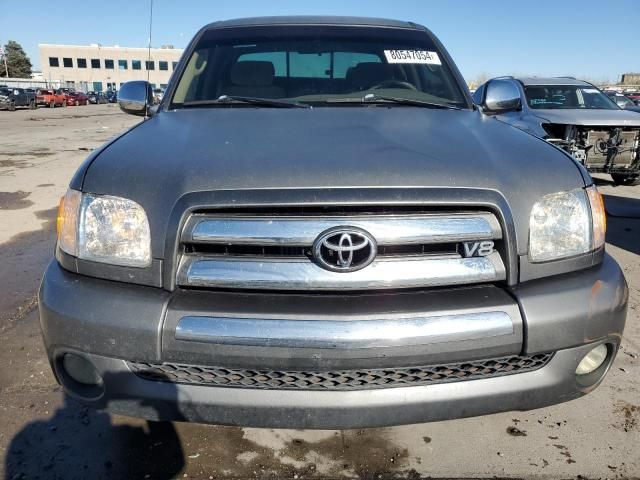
<point>76,98</point>
<point>50,98</point>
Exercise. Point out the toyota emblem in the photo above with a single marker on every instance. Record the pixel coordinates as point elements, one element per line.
<point>344,249</point>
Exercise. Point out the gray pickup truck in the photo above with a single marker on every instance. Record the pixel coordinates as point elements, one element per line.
<point>317,228</point>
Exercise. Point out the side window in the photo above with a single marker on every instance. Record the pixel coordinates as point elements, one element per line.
<point>478,94</point>
<point>343,61</point>
<point>309,65</point>
<point>279,60</point>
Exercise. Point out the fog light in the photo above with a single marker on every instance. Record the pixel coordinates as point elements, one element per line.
<point>80,370</point>
<point>592,360</point>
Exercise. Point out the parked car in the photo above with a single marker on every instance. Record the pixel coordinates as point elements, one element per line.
<point>96,97</point>
<point>112,96</point>
<point>18,97</point>
<point>158,94</point>
<point>577,117</point>
<point>623,101</point>
<point>6,102</point>
<point>389,256</point>
<point>76,98</point>
<point>50,98</point>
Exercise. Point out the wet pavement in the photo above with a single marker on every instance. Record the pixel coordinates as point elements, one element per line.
<point>46,434</point>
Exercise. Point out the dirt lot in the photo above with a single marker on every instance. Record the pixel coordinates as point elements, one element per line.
<point>44,434</point>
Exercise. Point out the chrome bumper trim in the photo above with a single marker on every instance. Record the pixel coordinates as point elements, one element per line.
<point>302,231</point>
<point>336,334</point>
<point>196,271</point>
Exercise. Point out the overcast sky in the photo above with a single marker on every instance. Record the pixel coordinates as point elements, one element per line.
<point>593,39</point>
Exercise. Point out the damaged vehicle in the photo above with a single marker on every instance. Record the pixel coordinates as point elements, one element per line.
<point>317,228</point>
<point>577,117</point>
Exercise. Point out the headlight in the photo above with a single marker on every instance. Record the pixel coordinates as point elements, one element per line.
<point>566,224</point>
<point>104,229</point>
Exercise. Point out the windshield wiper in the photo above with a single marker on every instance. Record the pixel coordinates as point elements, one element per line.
<point>373,98</point>
<point>229,99</point>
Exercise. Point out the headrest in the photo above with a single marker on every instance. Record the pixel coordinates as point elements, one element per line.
<point>367,74</point>
<point>252,74</point>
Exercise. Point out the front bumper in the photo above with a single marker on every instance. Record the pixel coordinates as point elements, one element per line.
<point>112,323</point>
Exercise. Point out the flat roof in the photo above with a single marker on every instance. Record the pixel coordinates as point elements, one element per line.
<point>313,20</point>
<point>110,47</point>
<point>551,81</point>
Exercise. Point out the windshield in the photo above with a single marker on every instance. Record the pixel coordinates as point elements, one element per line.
<point>336,65</point>
<point>555,97</point>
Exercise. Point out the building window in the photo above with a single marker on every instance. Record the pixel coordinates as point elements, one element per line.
<point>153,86</point>
<point>136,65</point>
<point>97,86</point>
<point>81,62</point>
<point>108,64</point>
<point>150,65</point>
<point>54,62</point>
<point>174,65</point>
<point>95,63</point>
<point>122,65</point>
<point>67,62</point>
<point>163,65</point>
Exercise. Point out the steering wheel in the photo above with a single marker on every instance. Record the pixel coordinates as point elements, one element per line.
<point>394,83</point>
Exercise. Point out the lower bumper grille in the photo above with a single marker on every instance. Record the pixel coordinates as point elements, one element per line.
<point>361,379</point>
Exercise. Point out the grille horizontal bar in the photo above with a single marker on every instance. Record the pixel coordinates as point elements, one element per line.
<point>361,379</point>
<point>294,274</point>
<point>386,229</point>
<point>340,334</point>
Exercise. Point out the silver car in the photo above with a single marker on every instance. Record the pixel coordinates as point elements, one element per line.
<point>574,115</point>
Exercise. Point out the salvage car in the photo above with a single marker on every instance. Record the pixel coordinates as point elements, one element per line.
<point>624,102</point>
<point>76,98</point>
<point>17,97</point>
<point>97,97</point>
<point>577,117</point>
<point>317,228</point>
<point>50,98</point>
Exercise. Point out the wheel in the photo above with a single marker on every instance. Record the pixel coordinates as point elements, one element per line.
<point>32,105</point>
<point>52,104</point>
<point>12,106</point>
<point>625,179</point>
<point>77,103</point>
<point>64,104</point>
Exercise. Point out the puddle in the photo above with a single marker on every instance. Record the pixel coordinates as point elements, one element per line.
<point>14,200</point>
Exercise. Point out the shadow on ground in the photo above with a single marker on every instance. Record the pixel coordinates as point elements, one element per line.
<point>78,442</point>
<point>623,222</point>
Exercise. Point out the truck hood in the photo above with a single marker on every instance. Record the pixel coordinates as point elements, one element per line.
<point>590,118</point>
<point>243,149</point>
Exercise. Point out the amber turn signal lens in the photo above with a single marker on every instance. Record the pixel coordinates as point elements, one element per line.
<point>598,216</point>
<point>67,222</point>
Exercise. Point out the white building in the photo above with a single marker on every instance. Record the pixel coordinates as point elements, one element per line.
<point>98,68</point>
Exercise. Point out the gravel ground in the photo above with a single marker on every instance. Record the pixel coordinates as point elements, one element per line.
<point>45,434</point>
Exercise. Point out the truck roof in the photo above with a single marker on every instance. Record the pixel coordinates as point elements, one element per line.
<point>551,81</point>
<point>313,20</point>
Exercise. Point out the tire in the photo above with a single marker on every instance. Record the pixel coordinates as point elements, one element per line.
<point>52,104</point>
<point>12,106</point>
<point>64,104</point>
<point>625,179</point>
<point>32,105</point>
<point>77,103</point>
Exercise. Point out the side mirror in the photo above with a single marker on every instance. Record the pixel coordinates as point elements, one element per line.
<point>136,98</point>
<point>502,96</point>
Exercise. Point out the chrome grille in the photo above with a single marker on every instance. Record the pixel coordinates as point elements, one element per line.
<point>273,252</point>
<point>360,379</point>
